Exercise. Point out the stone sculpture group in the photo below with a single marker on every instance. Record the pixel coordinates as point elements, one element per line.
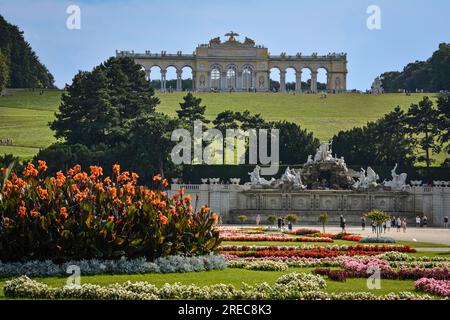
<point>323,160</point>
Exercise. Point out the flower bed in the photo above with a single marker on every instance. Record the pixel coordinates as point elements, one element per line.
<point>315,252</point>
<point>288,287</point>
<point>299,232</point>
<point>350,237</point>
<point>433,286</point>
<point>274,238</point>
<point>169,264</point>
<point>377,240</point>
<point>80,215</point>
<point>438,273</point>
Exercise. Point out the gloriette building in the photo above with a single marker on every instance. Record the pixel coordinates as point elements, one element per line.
<point>243,66</point>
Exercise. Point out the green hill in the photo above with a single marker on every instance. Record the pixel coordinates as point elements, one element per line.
<point>24,114</point>
<point>24,68</point>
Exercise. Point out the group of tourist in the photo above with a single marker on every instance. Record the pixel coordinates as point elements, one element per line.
<point>397,223</point>
<point>6,142</point>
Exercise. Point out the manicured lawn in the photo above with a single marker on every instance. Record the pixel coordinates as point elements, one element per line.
<point>234,277</point>
<point>24,114</point>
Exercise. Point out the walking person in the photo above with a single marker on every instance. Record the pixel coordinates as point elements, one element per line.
<point>384,226</point>
<point>388,225</point>
<point>342,223</point>
<point>393,221</point>
<point>417,222</point>
<point>446,222</point>
<point>363,223</point>
<point>399,224</point>
<point>374,227</point>
<point>424,221</point>
<point>279,223</point>
<point>404,225</point>
<point>258,219</point>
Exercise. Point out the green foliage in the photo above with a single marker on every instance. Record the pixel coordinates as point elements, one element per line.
<point>25,69</point>
<point>4,71</point>
<point>242,218</point>
<point>432,75</point>
<point>423,125</point>
<point>378,217</point>
<point>271,219</point>
<point>323,219</point>
<point>191,109</point>
<point>293,218</point>
<point>384,142</point>
<point>97,104</point>
<point>443,105</point>
<point>295,143</point>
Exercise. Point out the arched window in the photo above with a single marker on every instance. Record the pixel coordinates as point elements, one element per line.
<point>247,79</point>
<point>231,78</point>
<point>215,78</point>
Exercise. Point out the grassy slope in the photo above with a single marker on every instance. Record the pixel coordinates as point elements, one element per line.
<point>24,114</point>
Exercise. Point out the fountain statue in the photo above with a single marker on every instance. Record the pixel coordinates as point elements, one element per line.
<point>398,182</point>
<point>256,179</point>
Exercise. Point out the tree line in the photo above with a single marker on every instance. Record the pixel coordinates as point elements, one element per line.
<point>432,75</point>
<point>19,65</point>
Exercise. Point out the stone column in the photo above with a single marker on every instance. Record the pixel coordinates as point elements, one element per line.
<point>194,81</point>
<point>314,81</point>
<point>179,80</point>
<point>283,81</point>
<point>163,80</point>
<point>223,81</point>
<point>147,74</point>
<point>298,81</point>
<point>239,80</point>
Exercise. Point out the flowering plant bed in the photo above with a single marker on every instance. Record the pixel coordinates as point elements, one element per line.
<point>438,273</point>
<point>274,238</point>
<point>291,286</point>
<point>78,215</point>
<point>433,286</point>
<point>299,232</point>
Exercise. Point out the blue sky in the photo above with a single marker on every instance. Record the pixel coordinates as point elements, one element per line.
<point>410,30</point>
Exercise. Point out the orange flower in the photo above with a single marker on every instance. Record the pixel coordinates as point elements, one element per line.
<point>173,211</point>
<point>43,193</point>
<point>157,178</point>
<point>205,209</point>
<point>63,212</point>
<point>190,209</point>
<point>181,191</point>
<point>4,171</point>
<point>128,201</point>
<point>188,198</point>
<point>42,165</point>
<point>99,187</point>
<point>77,168</point>
<point>74,188</point>
<point>176,196</point>
<point>113,192</point>
<point>30,170</point>
<point>111,218</point>
<point>165,183</point>
<point>22,212</point>
<point>34,213</point>
<point>135,176</point>
<point>125,176</point>
<point>96,171</point>
<point>116,169</point>
<point>81,177</point>
<point>163,219</point>
<point>107,180</point>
